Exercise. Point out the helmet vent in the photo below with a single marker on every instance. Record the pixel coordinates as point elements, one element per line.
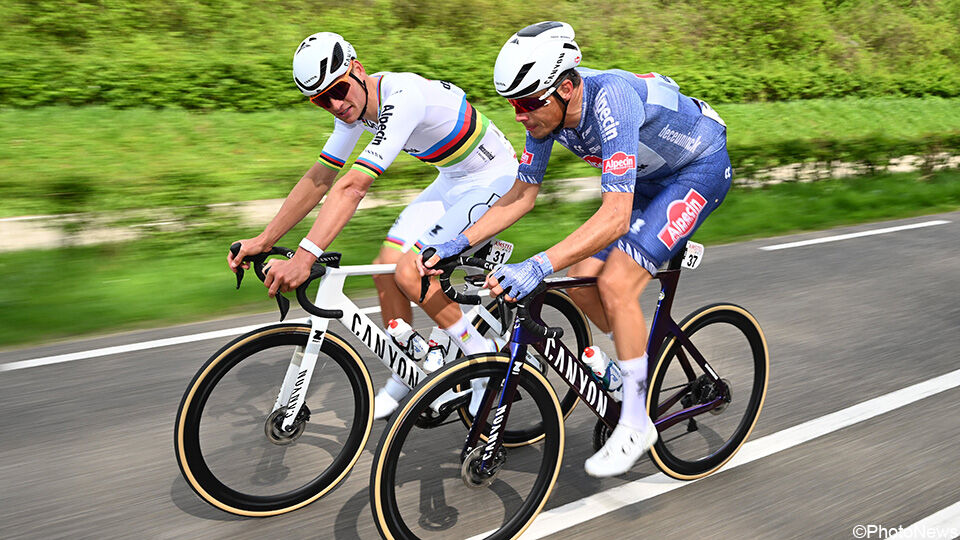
<point>520,75</point>
<point>539,28</point>
<point>337,58</point>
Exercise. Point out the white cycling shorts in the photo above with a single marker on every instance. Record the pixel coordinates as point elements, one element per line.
<point>448,206</point>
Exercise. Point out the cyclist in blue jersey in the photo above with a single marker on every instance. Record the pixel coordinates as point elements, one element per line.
<point>664,169</point>
<point>428,119</point>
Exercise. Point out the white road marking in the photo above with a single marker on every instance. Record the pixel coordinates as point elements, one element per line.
<point>943,524</point>
<point>133,347</point>
<point>121,349</point>
<point>853,235</point>
<point>583,510</point>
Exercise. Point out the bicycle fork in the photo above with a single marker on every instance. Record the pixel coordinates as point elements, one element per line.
<point>480,461</point>
<point>293,391</point>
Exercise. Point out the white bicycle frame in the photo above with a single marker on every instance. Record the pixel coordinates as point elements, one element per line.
<point>330,295</point>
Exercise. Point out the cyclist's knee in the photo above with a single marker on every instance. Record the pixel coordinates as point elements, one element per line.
<point>588,267</point>
<point>406,275</point>
<point>621,281</point>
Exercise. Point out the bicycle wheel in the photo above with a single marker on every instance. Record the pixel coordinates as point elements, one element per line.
<point>558,311</point>
<point>732,343</point>
<point>419,486</point>
<point>224,442</point>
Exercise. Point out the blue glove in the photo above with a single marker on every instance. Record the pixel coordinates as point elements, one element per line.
<point>450,247</point>
<point>517,280</point>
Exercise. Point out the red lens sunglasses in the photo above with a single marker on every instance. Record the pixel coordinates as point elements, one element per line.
<point>338,91</point>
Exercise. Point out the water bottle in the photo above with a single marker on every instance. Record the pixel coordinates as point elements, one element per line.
<point>437,348</point>
<point>606,370</point>
<point>408,338</point>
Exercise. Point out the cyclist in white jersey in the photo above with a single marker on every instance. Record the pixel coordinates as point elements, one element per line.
<point>430,120</point>
<point>664,169</point>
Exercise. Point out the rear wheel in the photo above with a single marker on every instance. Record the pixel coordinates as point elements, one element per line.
<point>733,345</point>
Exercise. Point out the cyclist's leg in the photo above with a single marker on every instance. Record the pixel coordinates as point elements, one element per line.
<point>588,298</point>
<point>408,227</point>
<point>410,224</point>
<point>657,233</point>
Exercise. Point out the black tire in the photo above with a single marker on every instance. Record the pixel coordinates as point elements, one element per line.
<point>577,337</point>
<point>732,342</point>
<point>221,476</point>
<point>427,462</point>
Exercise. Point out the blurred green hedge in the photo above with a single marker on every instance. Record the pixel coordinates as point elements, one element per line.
<point>869,153</point>
<point>235,54</point>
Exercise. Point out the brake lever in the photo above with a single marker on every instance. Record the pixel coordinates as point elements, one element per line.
<point>235,250</point>
<point>425,256</point>
<point>283,303</point>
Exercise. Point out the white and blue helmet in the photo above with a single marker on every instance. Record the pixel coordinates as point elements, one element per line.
<point>534,58</point>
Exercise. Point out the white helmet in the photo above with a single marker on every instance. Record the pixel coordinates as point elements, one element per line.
<point>534,58</point>
<point>320,60</point>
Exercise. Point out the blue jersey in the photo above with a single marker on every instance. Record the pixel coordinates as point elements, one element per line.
<point>632,127</point>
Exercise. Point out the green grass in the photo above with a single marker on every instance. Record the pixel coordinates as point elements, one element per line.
<point>168,279</point>
<point>58,160</point>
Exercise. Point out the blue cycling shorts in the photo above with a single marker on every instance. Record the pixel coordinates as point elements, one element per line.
<point>666,211</point>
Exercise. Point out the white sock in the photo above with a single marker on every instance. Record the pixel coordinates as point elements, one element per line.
<point>396,387</point>
<point>633,412</point>
<point>467,338</point>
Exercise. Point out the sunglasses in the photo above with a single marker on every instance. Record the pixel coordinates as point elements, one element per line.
<point>528,104</point>
<point>338,91</point>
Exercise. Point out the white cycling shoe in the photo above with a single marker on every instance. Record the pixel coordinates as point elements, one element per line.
<point>621,451</point>
<point>388,399</point>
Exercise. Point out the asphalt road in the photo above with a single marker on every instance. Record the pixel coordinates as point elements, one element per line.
<point>86,449</point>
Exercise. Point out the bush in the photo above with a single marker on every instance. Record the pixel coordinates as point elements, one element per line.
<point>235,54</point>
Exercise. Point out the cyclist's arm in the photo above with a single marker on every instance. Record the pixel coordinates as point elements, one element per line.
<point>303,198</point>
<point>608,223</point>
<point>342,202</point>
<point>505,212</point>
<point>311,188</point>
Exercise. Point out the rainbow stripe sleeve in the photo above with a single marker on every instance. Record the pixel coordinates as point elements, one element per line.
<point>367,167</point>
<point>331,161</point>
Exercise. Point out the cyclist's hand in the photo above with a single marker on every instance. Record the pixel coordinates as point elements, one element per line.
<point>248,247</point>
<point>444,250</point>
<point>515,281</point>
<point>285,275</point>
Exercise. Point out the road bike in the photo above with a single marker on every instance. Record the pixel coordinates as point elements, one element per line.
<point>278,417</point>
<point>707,384</point>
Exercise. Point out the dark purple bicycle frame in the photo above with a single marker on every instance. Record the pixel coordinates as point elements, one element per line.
<point>580,377</point>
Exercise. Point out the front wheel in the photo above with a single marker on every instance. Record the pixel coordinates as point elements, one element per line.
<point>228,440</point>
<point>731,342</point>
<point>422,485</point>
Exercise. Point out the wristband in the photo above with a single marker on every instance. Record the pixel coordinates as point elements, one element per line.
<point>311,247</point>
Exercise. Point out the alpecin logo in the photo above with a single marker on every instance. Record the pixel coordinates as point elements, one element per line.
<point>608,125</point>
<point>385,115</point>
<point>526,158</point>
<point>681,217</point>
<point>619,163</point>
<point>593,160</point>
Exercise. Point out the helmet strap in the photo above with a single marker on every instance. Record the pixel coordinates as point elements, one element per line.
<point>366,96</point>
<point>563,103</point>
<point>563,119</point>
